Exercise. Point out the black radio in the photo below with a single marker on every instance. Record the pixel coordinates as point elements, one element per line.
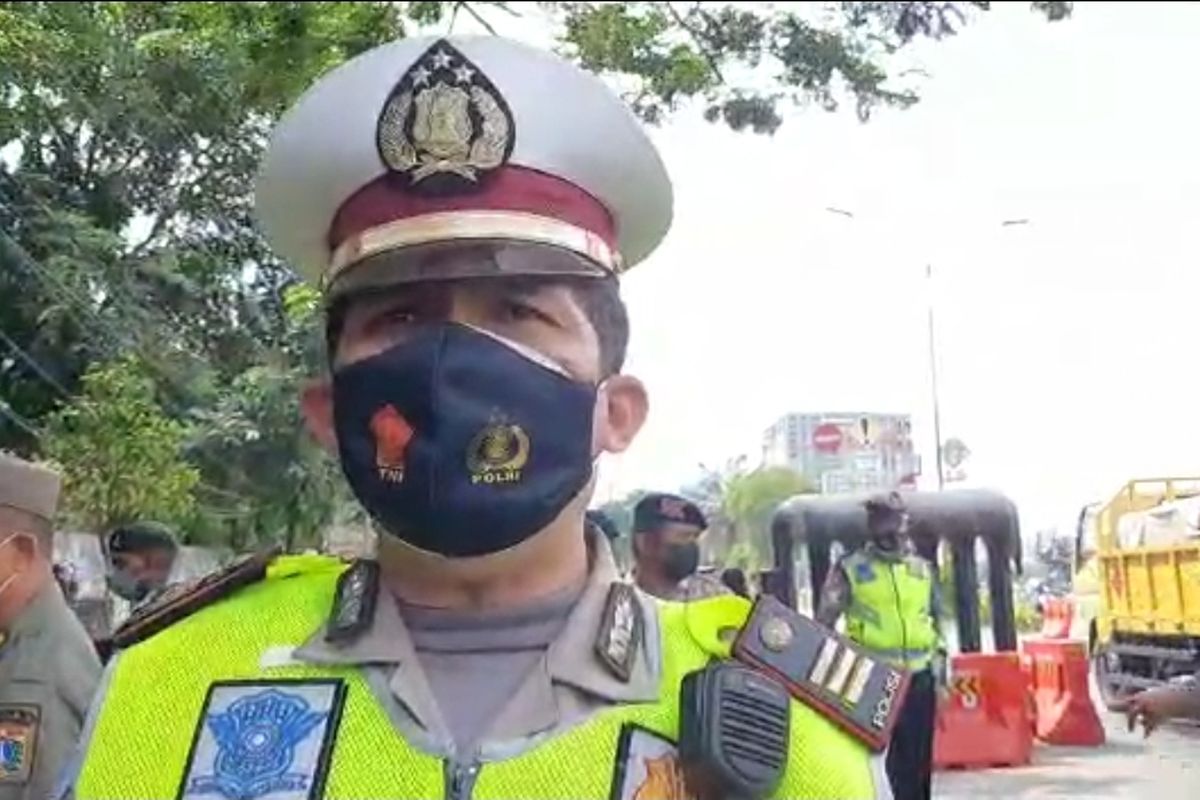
<point>733,732</point>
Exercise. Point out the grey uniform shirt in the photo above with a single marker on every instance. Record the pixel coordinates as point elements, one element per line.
<point>548,688</point>
<point>48,674</point>
<point>475,661</point>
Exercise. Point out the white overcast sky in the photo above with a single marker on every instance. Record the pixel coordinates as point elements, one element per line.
<point>1066,345</point>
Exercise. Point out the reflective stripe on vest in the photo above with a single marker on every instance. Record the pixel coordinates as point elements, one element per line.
<point>889,611</point>
<point>910,659</point>
<point>144,728</point>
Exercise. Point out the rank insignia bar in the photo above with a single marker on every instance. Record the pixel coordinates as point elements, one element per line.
<point>858,692</point>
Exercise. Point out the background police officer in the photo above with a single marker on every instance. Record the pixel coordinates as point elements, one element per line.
<point>48,669</point>
<point>666,549</point>
<point>889,596</point>
<point>141,556</point>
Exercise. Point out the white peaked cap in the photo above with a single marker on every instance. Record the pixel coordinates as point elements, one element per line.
<point>427,141</point>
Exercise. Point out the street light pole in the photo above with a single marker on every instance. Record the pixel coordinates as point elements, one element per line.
<point>933,381</point>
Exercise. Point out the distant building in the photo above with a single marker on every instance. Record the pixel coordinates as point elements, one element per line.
<point>845,452</point>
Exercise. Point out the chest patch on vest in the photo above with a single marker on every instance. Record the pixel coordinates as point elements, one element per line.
<point>264,740</point>
<point>863,572</point>
<point>18,742</point>
<point>647,767</point>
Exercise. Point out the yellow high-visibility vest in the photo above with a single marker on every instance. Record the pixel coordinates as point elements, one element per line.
<point>140,745</point>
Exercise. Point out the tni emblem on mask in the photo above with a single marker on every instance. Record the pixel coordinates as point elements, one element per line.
<point>498,453</point>
<point>392,434</point>
<point>444,125</point>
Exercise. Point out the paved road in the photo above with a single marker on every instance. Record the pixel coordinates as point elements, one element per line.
<point>1164,767</point>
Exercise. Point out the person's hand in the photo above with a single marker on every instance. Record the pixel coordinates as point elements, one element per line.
<point>1153,706</point>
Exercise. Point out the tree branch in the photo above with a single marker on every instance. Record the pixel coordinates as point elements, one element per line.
<point>487,26</point>
<point>698,39</point>
<point>160,222</point>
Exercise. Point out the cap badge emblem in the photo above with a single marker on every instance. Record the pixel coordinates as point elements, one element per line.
<point>672,508</point>
<point>444,125</point>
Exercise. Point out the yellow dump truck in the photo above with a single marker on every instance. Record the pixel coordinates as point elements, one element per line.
<point>1137,584</point>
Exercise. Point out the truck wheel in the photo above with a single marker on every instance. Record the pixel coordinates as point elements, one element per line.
<point>1106,665</point>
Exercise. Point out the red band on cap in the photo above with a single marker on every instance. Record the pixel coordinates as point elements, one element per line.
<point>510,188</point>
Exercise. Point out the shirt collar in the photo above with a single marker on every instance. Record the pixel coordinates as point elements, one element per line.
<point>571,659</point>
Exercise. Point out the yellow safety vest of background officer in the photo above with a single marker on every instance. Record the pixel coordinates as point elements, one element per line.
<point>889,596</point>
<point>465,204</point>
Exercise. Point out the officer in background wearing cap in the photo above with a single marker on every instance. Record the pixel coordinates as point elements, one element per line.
<point>140,558</point>
<point>889,596</point>
<point>48,669</point>
<point>465,205</point>
<point>666,549</point>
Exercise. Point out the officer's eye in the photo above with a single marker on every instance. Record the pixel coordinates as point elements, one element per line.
<point>400,315</point>
<point>516,310</point>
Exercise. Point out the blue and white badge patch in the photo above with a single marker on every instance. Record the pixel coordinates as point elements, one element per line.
<point>18,742</point>
<point>647,768</point>
<point>264,740</point>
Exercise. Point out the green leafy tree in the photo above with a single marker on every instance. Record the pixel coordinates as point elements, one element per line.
<point>750,501</point>
<point>121,455</point>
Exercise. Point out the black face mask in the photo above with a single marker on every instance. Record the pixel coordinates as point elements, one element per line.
<point>680,560</point>
<point>460,444</point>
<point>887,541</point>
<point>126,586</point>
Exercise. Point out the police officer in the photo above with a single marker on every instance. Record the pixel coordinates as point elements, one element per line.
<point>48,670</point>
<point>465,205</point>
<point>666,549</point>
<point>889,596</point>
<point>141,556</point>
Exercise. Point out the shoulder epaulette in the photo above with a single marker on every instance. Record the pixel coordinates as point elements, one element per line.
<point>824,670</point>
<point>181,601</point>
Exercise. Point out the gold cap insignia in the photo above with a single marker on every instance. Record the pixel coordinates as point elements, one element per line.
<point>444,125</point>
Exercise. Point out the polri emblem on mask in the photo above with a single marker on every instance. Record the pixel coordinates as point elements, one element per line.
<point>498,453</point>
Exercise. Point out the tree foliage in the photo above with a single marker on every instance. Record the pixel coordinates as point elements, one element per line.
<point>719,53</point>
<point>121,455</point>
<point>751,499</point>
<point>129,137</point>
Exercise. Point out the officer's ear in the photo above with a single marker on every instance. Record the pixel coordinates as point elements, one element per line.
<point>621,408</point>
<point>316,401</point>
